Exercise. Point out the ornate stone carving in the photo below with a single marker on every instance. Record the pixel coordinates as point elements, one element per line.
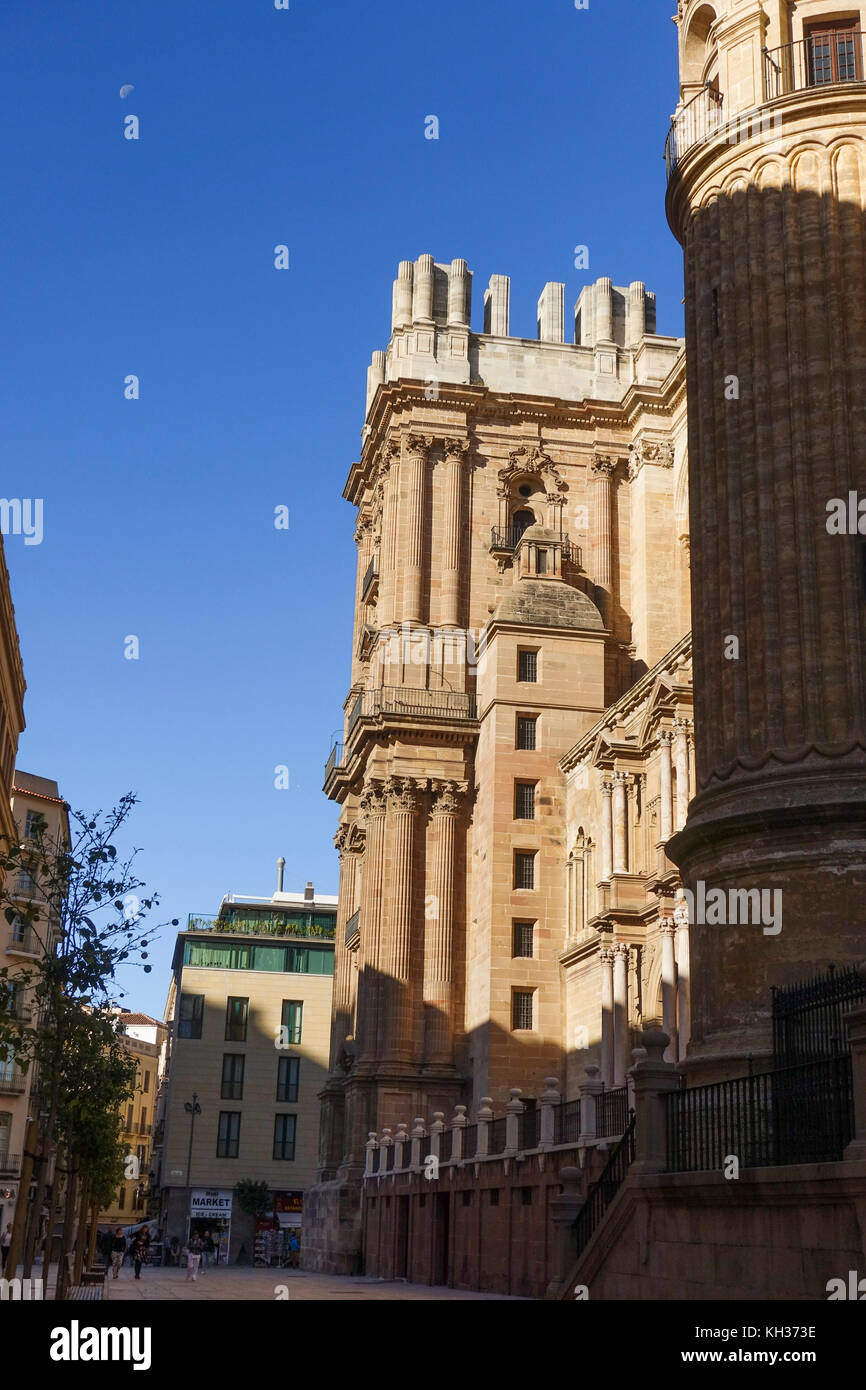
<point>448,798</point>
<point>373,801</point>
<point>455,448</point>
<point>525,460</point>
<point>419,444</point>
<point>657,451</point>
<point>603,466</point>
<point>404,794</point>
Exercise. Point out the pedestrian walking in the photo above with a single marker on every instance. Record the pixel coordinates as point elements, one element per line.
<point>139,1255</point>
<point>175,1250</point>
<point>208,1250</point>
<point>118,1250</point>
<point>193,1259</point>
<point>294,1251</point>
<point>5,1242</point>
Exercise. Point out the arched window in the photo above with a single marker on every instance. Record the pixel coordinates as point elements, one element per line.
<point>696,52</point>
<point>521,521</point>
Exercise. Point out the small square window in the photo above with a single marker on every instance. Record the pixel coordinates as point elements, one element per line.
<point>524,934</point>
<point>526,733</point>
<point>524,869</point>
<point>527,666</point>
<point>524,801</point>
<point>521,1010</point>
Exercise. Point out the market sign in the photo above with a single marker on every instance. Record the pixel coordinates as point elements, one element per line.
<point>210,1202</point>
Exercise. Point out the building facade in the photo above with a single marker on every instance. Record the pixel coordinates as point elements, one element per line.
<point>249,1022</point>
<point>766,193</point>
<point>522,562</point>
<point>31,797</point>
<point>143,1038</point>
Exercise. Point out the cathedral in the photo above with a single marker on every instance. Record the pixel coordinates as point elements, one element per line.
<point>606,652</point>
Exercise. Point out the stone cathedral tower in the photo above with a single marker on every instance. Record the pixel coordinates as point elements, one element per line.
<point>767,194</point>
<point>521,520</point>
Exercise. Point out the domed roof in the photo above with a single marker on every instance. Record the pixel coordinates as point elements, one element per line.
<point>548,603</point>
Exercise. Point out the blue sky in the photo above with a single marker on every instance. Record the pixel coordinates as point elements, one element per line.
<point>156,257</point>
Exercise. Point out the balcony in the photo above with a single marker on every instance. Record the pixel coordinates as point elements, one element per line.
<point>370,586</point>
<point>822,60</point>
<point>270,925</point>
<point>23,942</point>
<point>352,927</point>
<point>404,702</point>
<point>10,1164</point>
<point>333,760</point>
<point>12,1083</point>
<point>700,119</point>
<point>504,540</point>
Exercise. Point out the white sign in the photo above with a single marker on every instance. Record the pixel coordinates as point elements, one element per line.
<point>210,1202</point>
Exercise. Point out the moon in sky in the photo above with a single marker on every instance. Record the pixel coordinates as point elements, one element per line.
<point>125,91</point>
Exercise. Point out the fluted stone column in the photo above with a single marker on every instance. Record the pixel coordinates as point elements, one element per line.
<point>666,739</point>
<point>459,297</point>
<point>602,471</point>
<point>422,295</point>
<point>402,302</point>
<point>456,451</point>
<point>681,918</point>
<point>681,756</point>
<point>667,930</point>
<point>390,481</point>
<point>346,899</point>
<point>412,514</point>
<point>620,822</point>
<point>373,810</point>
<point>439,927</point>
<point>621,1051</point>
<point>606,830</point>
<point>403,807</point>
<point>605,957</point>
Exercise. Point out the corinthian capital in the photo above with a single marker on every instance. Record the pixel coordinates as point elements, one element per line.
<point>418,444</point>
<point>603,466</point>
<point>448,798</point>
<point>456,448</point>
<point>373,799</point>
<point>404,794</point>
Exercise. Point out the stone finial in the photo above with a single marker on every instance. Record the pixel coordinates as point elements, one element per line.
<point>515,1105</point>
<point>418,1127</point>
<point>551,313</point>
<point>485,1112</point>
<point>438,1121</point>
<point>422,295</point>
<point>497,306</point>
<point>401,314</point>
<point>460,1116</point>
<point>459,294</point>
<point>550,1094</point>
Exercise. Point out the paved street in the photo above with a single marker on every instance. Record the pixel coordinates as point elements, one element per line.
<point>253,1284</point>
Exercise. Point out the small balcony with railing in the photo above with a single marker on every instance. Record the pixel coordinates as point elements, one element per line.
<point>818,62</point>
<point>12,1083</point>
<point>393,703</point>
<point>353,927</point>
<point>504,540</point>
<point>10,1164</point>
<point>23,942</point>
<point>370,584</point>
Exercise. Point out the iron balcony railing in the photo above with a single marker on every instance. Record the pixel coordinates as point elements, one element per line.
<point>370,577</point>
<point>352,927</point>
<point>699,120</point>
<point>529,1129</point>
<point>404,701</point>
<point>13,1083</point>
<point>22,941</point>
<point>821,60</point>
<point>808,1018</point>
<point>602,1192</point>
<point>566,1122</point>
<point>507,538</point>
<point>496,1136</point>
<point>389,1158</point>
<point>611,1112</point>
<point>9,1163</point>
<point>333,759</point>
<point>425,1147</point>
<point>470,1141</point>
<point>801,1114</point>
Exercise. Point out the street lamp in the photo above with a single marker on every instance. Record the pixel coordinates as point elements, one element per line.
<point>192,1108</point>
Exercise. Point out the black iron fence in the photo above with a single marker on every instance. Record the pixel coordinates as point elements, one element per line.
<point>529,1129</point>
<point>333,759</point>
<point>602,1192</point>
<point>496,1136</point>
<point>808,1017</point>
<point>403,701</point>
<point>566,1122</point>
<point>470,1141</point>
<point>800,1114</point>
<point>698,121</point>
<point>821,60</point>
<point>611,1112</point>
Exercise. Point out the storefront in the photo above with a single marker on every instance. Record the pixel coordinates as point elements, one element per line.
<point>279,1231</point>
<point>210,1209</point>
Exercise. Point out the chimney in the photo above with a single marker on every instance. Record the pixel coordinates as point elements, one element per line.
<point>309,893</point>
<point>281,864</point>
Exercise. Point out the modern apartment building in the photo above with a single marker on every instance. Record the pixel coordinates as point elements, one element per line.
<point>20,946</point>
<point>143,1037</point>
<point>248,1015</point>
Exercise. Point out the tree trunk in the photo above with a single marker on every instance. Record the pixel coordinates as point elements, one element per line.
<point>53,1216</point>
<point>22,1210</point>
<point>94,1231</point>
<point>46,1148</point>
<point>81,1231</point>
<point>68,1228</point>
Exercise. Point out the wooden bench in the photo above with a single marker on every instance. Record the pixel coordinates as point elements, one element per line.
<point>86,1293</point>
